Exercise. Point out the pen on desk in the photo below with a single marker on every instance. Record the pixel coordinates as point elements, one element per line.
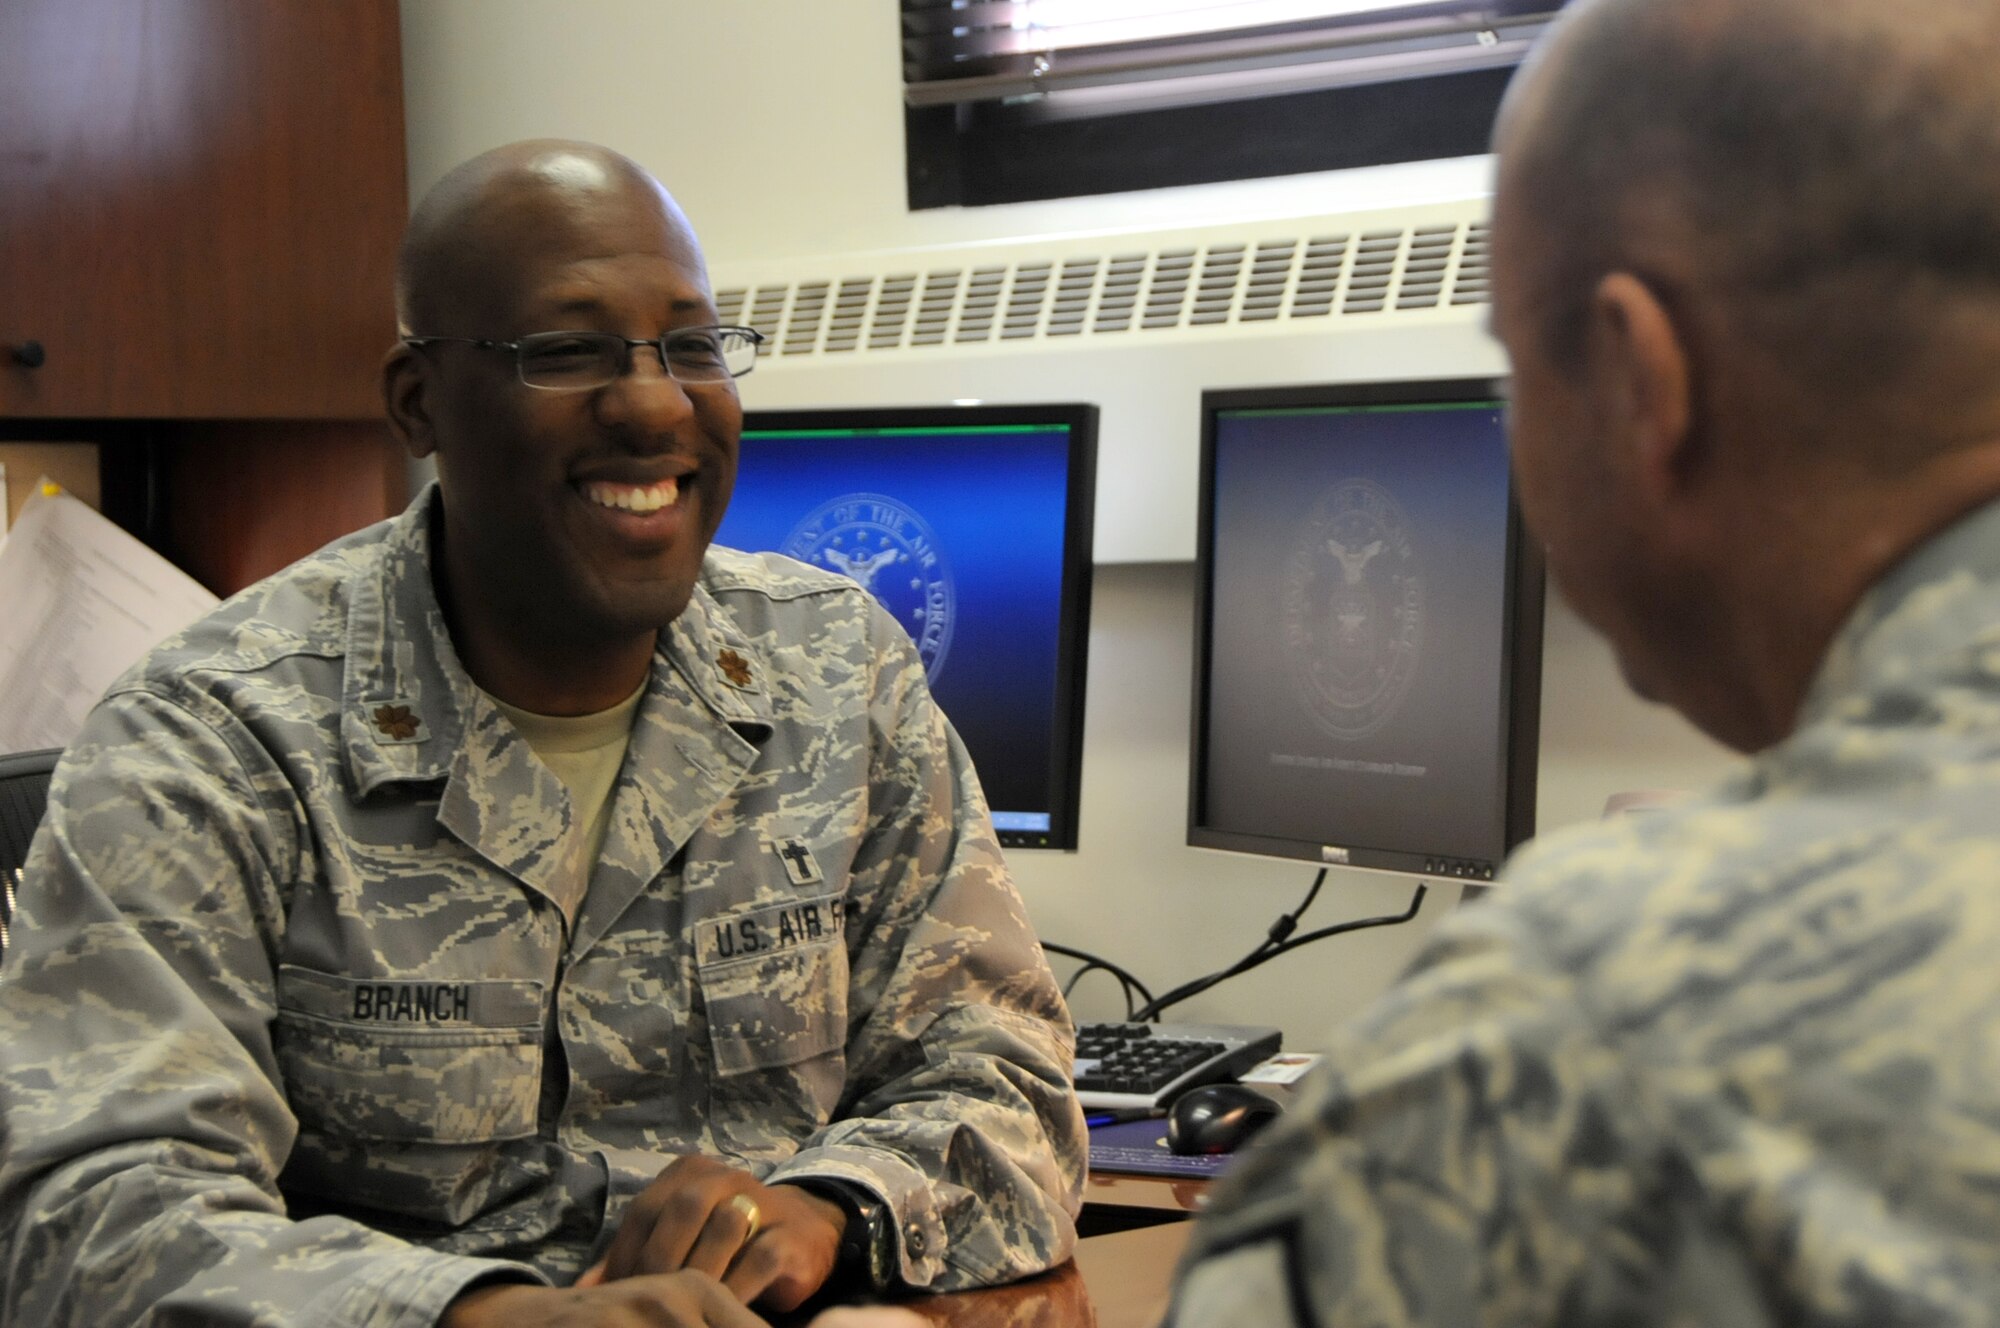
<point>1114,1116</point>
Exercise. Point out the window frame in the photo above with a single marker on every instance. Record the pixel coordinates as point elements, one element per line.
<point>986,149</point>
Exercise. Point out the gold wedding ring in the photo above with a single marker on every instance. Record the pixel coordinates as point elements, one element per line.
<point>747,1206</point>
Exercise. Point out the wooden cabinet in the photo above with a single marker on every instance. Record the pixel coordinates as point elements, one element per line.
<point>200,202</point>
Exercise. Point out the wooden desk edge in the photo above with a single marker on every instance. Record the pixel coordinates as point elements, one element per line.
<point>1121,1280</point>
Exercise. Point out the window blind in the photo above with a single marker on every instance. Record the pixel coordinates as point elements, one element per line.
<point>1105,57</point>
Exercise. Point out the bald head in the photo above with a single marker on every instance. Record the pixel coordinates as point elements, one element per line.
<point>1827,170</point>
<point>477,229</point>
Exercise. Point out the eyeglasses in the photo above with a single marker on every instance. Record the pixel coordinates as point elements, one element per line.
<point>576,361</point>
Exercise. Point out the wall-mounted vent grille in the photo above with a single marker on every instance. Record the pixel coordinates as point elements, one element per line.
<point>850,306</point>
<point>1264,297</point>
<point>1025,301</point>
<point>892,312</point>
<point>934,314</point>
<point>1213,285</point>
<point>1374,272</point>
<point>1319,277</point>
<point>1473,270</point>
<point>1215,298</point>
<point>1166,301</point>
<point>1426,265</point>
<point>767,310</point>
<point>808,312</point>
<point>1118,298</point>
<point>982,301</point>
<point>1072,306</point>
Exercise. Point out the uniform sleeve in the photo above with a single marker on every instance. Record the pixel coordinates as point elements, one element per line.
<point>142,1125</point>
<point>959,1111</point>
<point>1471,1153</point>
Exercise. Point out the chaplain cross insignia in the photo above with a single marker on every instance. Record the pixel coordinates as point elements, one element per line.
<point>735,668</point>
<point>397,721</point>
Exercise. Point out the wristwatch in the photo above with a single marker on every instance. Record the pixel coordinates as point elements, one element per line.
<point>867,1258</point>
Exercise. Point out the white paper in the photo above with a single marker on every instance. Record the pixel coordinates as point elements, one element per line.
<point>80,602</point>
<point>1285,1068</point>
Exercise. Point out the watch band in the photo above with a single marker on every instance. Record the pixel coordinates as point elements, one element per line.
<point>867,1258</point>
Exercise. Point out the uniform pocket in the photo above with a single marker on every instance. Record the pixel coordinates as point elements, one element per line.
<point>448,1062</point>
<point>774,981</point>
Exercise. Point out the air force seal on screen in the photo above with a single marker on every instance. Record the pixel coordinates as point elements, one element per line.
<point>890,549</point>
<point>1352,609</point>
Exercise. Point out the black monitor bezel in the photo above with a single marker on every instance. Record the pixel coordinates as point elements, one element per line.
<point>1073,629</point>
<point>1521,665</point>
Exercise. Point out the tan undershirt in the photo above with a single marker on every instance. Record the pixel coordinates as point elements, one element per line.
<point>585,752</point>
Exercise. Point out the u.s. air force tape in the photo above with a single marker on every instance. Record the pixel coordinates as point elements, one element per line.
<point>767,930</point>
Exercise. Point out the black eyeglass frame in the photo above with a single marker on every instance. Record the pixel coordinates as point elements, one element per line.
<point>659,344</point>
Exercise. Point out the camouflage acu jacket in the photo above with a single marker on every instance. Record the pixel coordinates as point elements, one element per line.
<point>300,1028</point>
<point>1732,1064</point>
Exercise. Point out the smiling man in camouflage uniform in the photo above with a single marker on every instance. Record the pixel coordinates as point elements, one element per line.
<point>1736,1063</point>
<point>523,891</point>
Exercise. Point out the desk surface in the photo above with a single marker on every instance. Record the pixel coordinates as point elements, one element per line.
<point>1181,1194</point>
<point>1129,1274</point>
<point>1115,1281</point>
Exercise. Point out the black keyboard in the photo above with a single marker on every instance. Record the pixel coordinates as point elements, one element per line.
<point>1123,1067</point>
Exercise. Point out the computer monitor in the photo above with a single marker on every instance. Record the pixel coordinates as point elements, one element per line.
<point>1368,631</point>
<point>972,525</point>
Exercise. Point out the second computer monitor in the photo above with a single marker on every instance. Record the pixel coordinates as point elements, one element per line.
<point>972,526</point>
<point>1368,630</point>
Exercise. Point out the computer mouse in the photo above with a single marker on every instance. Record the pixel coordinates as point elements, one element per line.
<point>1217,1118</point>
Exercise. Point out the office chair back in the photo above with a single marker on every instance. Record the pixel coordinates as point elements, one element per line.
<point>24,793</point>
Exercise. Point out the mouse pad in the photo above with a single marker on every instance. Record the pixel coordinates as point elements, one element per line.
<point>1140,1147</point>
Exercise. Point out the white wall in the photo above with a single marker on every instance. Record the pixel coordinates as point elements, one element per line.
<point>778,124</point>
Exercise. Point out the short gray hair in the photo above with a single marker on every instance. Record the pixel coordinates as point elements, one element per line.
<point>1833,165</point>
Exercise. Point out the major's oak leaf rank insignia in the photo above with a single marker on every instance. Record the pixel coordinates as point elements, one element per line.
<point>397,723</point>
<point>735,668</point>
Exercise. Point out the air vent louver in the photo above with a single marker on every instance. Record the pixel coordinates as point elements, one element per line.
<point>1211,285</point>
<point>1264,297</point>
<point>1024,302</point>
<point>802,328</point>
<point>1470,285</point>
<point>1319,277</point>
<point>1072,306</point>
<point>1375,262</point>
<point>1167,295</point>
<point>1120,298</point>
<point>850,307</point>
<point>892,312</point>
<point>934,315</point>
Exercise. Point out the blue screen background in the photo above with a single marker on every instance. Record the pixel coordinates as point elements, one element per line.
<point>996,501</point>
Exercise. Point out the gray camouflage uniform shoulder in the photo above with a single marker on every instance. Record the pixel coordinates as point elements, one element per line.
<point>1728,1063</point>
<point>772,575</point>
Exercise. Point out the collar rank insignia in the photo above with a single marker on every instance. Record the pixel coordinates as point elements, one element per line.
<point>799,862</point>
<point>397,723</point>
<point>735,668</point>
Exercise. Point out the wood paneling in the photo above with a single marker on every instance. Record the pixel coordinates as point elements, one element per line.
<point>243,500</point>
<point>199,205</point>
<point>200,202</point>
